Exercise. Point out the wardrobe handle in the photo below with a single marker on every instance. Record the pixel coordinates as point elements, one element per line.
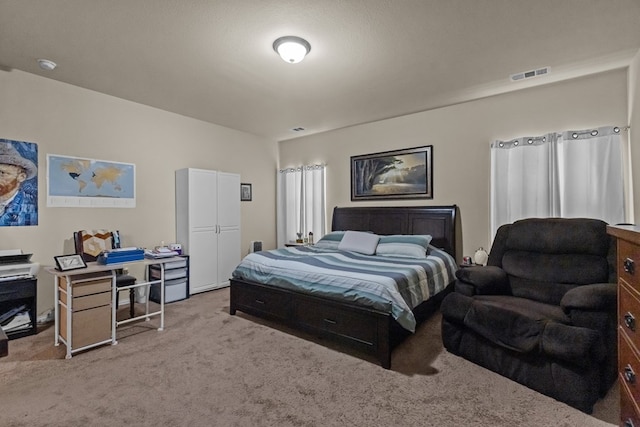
<point>630,321</point>
<point>629,266</point>
<point>629,375</point>
<point>332,322</point>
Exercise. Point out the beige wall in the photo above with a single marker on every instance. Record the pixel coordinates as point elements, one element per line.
<point>634,132</point>
<point>68,120</point>
<point>461,136</point>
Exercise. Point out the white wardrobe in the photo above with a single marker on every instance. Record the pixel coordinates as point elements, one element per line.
<point>208,225</point>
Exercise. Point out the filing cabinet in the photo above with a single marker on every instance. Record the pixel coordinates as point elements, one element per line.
<point>88,309</point>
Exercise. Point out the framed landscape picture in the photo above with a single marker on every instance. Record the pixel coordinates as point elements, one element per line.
<point>399,174</point>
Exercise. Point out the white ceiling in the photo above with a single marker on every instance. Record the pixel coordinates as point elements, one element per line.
<point>370,59</point>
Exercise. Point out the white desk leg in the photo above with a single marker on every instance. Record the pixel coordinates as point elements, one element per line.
<point>69,317</point>
<point>114,308</point>
<point>161,328</point>
<point>56,311</point>
<point>147,290</point>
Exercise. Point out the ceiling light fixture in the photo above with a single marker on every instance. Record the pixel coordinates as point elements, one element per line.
<point>292,49</point>
<point>47,65</point>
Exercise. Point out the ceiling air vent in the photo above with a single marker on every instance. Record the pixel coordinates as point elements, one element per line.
<point>530,74</point>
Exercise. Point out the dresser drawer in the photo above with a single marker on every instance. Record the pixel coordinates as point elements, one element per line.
<point>87,326</point>
<point>628,366</point>
<point>629,313</point>
<point>628,411</point>
<point>337,321</point>
<point>81,288</point>
<point>91,301</point>
<point>629,263</point>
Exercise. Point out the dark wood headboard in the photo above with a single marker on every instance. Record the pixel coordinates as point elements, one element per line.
<point>437,221</point>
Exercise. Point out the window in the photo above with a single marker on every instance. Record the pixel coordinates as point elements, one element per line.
<point>571,174</point>
<point>301,203</point>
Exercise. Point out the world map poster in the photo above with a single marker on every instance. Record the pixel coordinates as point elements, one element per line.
<point>78,182</point>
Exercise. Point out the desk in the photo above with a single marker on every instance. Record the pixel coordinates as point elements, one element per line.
<point>85,303</point>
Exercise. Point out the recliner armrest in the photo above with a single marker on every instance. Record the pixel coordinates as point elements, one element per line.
<point>595,297</point>
<point>489,280</point>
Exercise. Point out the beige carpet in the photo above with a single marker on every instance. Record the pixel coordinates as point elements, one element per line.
<point>208,368</point>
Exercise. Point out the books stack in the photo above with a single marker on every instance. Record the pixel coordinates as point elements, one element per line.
<point>15,319</point>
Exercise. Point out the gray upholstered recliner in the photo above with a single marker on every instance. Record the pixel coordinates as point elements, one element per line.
<point>543,310</point>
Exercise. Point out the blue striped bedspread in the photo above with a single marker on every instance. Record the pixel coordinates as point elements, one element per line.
<point>394,285</point>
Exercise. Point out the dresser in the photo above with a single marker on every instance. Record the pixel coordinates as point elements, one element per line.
<point>628,268</point>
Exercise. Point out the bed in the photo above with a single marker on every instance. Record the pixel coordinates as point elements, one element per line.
<point>371,328</point>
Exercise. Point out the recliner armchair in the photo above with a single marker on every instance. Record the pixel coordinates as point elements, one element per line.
<point>543,310</point>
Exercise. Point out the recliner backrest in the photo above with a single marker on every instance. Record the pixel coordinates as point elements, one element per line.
<point>546,257</point>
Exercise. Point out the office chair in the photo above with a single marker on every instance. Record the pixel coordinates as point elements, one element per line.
<point>89,244</point>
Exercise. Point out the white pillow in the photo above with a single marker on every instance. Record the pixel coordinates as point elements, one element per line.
<point>359,241</point>
<point>408,250</point>
<point>412,246</point>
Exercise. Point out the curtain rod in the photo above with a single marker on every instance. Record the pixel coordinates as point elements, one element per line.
<point>305,167</point>
<point>575,134</point>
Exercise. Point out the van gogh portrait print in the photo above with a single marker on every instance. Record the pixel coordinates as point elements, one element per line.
<point>18,183</point>
<point>400,174</point>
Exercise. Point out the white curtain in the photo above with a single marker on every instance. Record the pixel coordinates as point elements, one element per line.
<point>569,174</point>
<point>301,203</point>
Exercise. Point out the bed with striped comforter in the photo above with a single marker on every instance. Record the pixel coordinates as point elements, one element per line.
<point>391,284</point>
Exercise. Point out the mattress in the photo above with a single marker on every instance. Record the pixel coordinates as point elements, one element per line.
<point>391,284</point>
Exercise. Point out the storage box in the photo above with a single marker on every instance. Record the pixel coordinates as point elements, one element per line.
<point>175,290</point>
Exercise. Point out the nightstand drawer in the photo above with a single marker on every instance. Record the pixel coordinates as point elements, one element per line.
<point>629,263</point>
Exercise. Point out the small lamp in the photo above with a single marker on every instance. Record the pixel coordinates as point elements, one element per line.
<point>292,49</point>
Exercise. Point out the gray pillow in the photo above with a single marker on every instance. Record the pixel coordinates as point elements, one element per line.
<point>359,241</point>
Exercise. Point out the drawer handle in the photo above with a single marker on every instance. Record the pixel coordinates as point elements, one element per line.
<point>630,321</point>
<point>629,375</point>
<point>628,423</point>
<point>628,265</point>
<point>333,322</point>
<point>259,301</point>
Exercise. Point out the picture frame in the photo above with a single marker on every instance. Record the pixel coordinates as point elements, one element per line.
<point>245,192</point>
<point>397,174</point>
<point>69,262</point>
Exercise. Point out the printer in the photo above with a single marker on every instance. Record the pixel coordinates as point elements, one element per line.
<point>15,265</point>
